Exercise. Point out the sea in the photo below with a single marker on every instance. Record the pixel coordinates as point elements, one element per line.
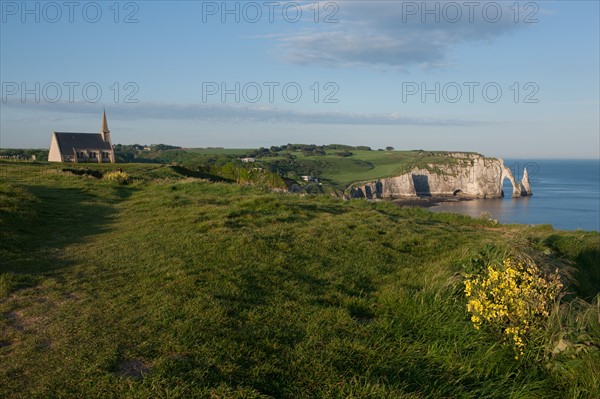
<point>566,194</point>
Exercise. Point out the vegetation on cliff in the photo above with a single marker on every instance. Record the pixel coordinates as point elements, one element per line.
<point>336,166</point>
<point>173,286</point>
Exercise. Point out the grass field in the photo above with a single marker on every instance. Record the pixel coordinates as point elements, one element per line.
<point>334,171</point>
<point>218,151</point>
<point>340,172</point>
<point>172,287</point>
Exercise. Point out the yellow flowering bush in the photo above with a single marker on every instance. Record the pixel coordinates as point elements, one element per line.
<point>119,176</point>
<point>514,298</point>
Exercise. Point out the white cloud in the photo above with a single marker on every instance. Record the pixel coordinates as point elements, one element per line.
<point>396,34</point>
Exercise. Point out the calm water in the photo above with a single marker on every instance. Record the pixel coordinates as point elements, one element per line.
<point>566,194</point>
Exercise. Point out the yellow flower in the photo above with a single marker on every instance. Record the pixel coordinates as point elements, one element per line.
<point>514,298</point>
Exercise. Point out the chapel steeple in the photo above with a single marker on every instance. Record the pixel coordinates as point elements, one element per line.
<point>104,131</point>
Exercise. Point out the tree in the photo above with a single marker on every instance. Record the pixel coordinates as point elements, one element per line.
<point>389,148</point>
<point>344,154</point>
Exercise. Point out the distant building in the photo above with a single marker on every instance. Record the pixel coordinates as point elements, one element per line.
<point>309,179</point>
<point>248,160</point>
<point>82,147</point>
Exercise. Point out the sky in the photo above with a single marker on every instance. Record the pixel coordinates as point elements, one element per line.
<point>505,78</point>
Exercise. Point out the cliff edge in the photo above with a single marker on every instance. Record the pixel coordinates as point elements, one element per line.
<point>466,175</point>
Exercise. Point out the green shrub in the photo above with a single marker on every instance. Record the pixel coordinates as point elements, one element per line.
<point>514,299</point>
<point>119,176</point>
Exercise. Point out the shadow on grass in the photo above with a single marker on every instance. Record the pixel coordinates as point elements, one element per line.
<point>588,274</point>
<point>84,172</point>
<point>584,252</point>
<point>33,237</point>
<point>200,175</point>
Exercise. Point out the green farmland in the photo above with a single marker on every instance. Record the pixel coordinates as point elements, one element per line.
<point>173,286</point>
<point>335,168</point>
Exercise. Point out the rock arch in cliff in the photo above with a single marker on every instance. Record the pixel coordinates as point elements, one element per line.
<point>507,174</point>
<point>476,177</point>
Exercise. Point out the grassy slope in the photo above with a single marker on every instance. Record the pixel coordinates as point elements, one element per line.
<point>370,165</point>
<point>366,165</point>
<point>180,288</point>
<point>340,172</point>
<point>219,151</point>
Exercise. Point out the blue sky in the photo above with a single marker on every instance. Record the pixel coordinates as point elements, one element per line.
<point>518,80</point>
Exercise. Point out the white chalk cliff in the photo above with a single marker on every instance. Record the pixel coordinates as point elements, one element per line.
<point>465,175</point>
<point>525,187</point>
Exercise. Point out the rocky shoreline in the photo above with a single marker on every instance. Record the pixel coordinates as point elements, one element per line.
<point>427,202</point>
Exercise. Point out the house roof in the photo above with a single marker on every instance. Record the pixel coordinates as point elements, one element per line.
<point>80,141</point>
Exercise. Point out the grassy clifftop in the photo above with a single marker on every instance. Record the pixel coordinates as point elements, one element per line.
<point>336,166</point>
<point>177,287</point>
<point>341,172</point>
